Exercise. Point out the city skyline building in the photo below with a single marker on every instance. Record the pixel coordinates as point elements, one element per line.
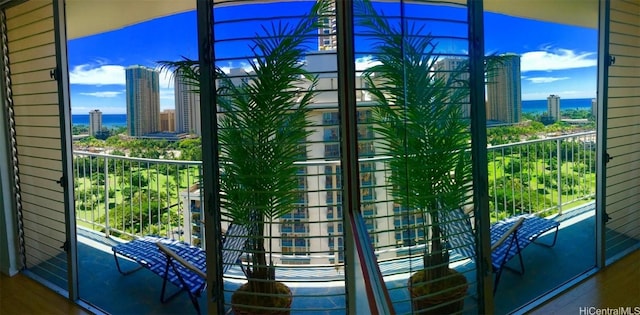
<point>594,107</point>
<point>143,100</point>
<point>504,90</point>
<point>95,122</point>
<point>187,106</point>
<point>168,120</point>
<point>327,39</point>
<point>553,107</point>
<point>447,66</point>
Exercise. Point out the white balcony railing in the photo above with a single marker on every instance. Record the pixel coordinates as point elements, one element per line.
<point>131,197</point>
<point>542,176</point>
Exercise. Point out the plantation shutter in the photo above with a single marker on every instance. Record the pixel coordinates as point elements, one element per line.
<point>622,188</point>
<point>32,100</point>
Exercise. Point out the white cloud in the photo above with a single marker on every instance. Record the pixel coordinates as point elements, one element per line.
<point>365,62</point>
<point>237,67</point>
<point>538,80</point>
<point>166,78</point>
<point>103,94</point>
<point>87,74</point>
<point>559,59</point>
<point>101,75</point>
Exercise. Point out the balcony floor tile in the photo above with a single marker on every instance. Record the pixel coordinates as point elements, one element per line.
<point>546,268</point>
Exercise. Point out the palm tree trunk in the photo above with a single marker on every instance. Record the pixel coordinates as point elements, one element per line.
<point>262,277</point>
<point>436,259</point>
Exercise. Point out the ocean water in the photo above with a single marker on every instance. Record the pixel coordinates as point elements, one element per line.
<point>540,106</point>
<point>536,106</point>
<point>108,121</point>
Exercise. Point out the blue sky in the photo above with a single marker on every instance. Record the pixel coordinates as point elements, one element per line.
<point>555,59</point>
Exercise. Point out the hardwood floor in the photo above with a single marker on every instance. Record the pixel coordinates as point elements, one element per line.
<point>616,286</point>
<point>21,295</point>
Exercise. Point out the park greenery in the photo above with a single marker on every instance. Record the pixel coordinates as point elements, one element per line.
<point>526,177</point>
<point>532,128</point>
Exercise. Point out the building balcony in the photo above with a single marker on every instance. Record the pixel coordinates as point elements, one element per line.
<point>119,198</point>
<point>320,289</point>
<point>154,196</point>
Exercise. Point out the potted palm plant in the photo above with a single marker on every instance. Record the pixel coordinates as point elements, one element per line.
<point>263,126</point>
<point>418,114</point>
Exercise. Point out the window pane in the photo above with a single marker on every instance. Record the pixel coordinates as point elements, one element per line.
<point>413,134</point>
<point>264,94</point>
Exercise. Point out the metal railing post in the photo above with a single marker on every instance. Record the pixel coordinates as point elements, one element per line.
<point>559,175</point>
<point>106,197</point>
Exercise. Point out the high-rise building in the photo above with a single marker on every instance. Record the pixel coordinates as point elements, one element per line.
<point>95,122</point>
<point>594,107</point>
<point>143,100</point>
<point>553,107</point>
<point>327,39</point>
<point>504,95</point>
<point>168,120</point>
<point>187,101</point>
<point>445,68</point>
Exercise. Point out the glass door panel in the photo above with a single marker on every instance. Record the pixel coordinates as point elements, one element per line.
<point>413,145</point>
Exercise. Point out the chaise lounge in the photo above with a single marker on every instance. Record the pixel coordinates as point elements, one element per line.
<point>508,238</point>
<point>151,252</point>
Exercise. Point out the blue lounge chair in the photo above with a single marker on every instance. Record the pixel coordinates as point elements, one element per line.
<point>158,255</point>
<point>508,237</point>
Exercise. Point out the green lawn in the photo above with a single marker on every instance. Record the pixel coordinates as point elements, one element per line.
<point>90,206</point>
<point>534,187</point>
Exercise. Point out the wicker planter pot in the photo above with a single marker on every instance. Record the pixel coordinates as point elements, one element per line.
<point>451,301</point>
<point>246,302</point>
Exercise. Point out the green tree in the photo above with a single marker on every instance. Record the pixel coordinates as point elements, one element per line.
<point>142,215</point>
<point>79,129</point>
<point>114,141</point>
<point>190,149</point>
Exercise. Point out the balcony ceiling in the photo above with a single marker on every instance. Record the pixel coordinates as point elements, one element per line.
<point>88,17</point>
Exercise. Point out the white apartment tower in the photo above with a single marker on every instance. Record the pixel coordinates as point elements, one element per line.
<point>187,101</point>
<point>327,39</point>
<point>95,122</point>
<point>504,94</point>
<point>553,107</point>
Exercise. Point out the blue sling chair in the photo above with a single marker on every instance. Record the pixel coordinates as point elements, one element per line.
<point>508,237</point>
<point>182,264</point>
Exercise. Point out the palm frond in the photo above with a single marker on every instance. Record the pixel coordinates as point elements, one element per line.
<point>419,114</point>
<point>266,121</point>
<point>187,69</point>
